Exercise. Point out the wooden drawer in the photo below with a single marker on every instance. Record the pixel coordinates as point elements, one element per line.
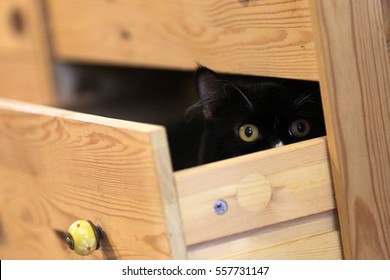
<point>59,166</point>
<point>264,38</point>
<point>277,205</point>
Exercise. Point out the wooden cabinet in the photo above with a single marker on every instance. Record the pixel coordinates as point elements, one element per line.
<point>59,166</point>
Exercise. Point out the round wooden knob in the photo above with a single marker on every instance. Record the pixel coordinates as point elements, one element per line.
<point>84,237</point>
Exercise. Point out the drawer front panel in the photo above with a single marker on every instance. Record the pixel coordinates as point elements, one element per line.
<point>58,166</point>
<point>23,81</point>
<point>314,237</point>
<point>267,38</point>
<point>260,189</point>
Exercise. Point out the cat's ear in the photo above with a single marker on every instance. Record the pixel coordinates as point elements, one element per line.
<point>209,90</point>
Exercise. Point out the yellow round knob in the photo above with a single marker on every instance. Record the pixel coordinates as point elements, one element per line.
<point>84,237</point>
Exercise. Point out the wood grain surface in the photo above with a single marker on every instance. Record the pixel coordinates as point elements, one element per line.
<point>355,85</point>
<point>324,246</point>
<point>59,166</point>
<point>279,241</point>
<point>267,38</point>
<point>260,189</point>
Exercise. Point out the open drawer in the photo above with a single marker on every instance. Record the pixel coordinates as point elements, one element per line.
<point>59,166</point>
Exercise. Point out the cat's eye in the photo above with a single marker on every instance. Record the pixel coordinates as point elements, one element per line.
<point>299,128</point>
<point>249,133</point>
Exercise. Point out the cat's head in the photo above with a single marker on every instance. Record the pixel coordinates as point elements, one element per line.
<point>245,114</point>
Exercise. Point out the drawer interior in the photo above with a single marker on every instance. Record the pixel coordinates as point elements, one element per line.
<point>147,95</point>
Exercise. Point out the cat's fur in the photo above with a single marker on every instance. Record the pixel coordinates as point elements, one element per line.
<point>271,105</point>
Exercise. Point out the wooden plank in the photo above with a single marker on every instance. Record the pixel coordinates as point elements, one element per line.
<point>25,62</point>
<point>21,81</point>
<point>164,172</point>
<point>259,240</point>
<point>59,166</point>
<point>267,38</point>
<point>355,86</point>
<point>261,189</point>
<point>325,246</point>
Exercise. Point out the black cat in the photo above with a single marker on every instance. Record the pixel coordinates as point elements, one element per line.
<point>244,114</point>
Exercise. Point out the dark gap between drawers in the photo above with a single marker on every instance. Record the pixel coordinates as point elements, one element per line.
<point>147,95</point>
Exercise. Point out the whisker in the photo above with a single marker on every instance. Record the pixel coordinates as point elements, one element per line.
<point>227,83</point>
<point>305,98</point>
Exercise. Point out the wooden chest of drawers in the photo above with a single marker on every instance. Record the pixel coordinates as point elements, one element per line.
<point>60,166</point>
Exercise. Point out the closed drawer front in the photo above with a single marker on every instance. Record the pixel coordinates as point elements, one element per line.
<point>24,81</point>
<point>266,38</point>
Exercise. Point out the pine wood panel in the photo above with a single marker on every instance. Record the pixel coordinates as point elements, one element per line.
<point>58,166</point>
<point>25,66</point>
<point>21,81</point>
<point>261,189</point>
<point>257,243</point>
<point>324,246</point>
<point>268,38</point>
<point>355,86</point>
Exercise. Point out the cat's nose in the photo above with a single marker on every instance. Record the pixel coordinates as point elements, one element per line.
<point>277,143</point>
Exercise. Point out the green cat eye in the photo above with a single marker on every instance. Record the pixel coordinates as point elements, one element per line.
<point>299,128</point>
<point>249,132</point>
